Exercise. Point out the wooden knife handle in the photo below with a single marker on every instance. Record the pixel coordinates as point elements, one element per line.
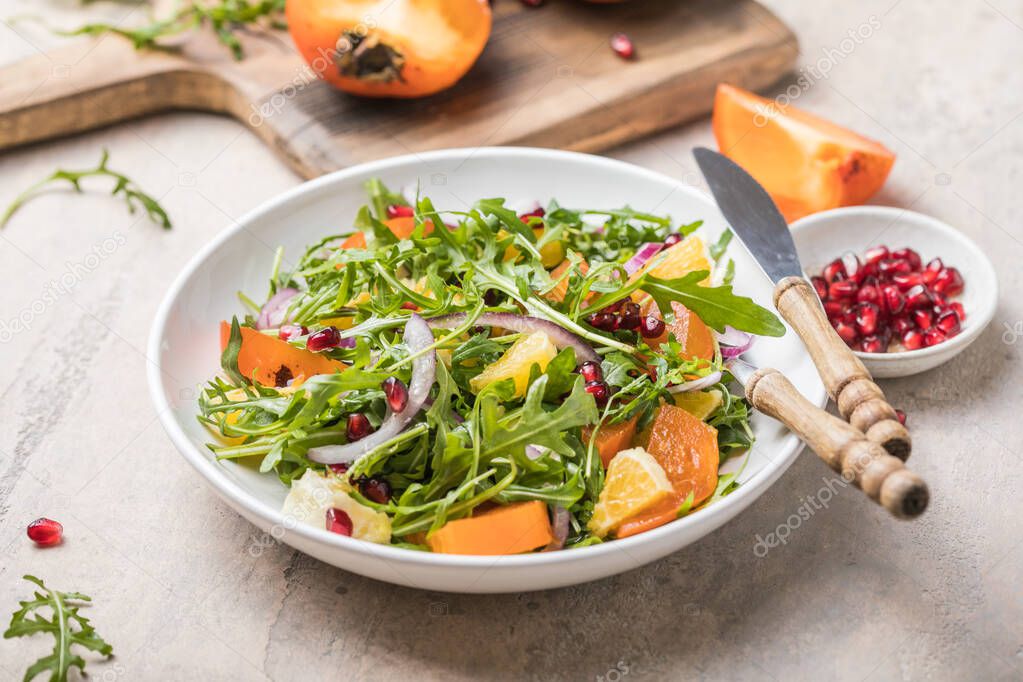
<point>862,462</point>
<point>850,385</point>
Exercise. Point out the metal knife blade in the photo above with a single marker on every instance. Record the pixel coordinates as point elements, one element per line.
<point>751,212</point>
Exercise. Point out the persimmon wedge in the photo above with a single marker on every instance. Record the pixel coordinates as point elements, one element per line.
<point>389,48</point>
<point>687,450</point>
<point>612,438</point>
<point>806,164</point>
<point>274,362</point>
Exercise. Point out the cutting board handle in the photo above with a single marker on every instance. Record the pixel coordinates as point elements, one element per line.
<point>88,85</point>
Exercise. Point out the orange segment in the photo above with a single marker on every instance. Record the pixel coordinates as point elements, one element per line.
<point>806,163</point>
<point>611,439</point>
<point>687,450</point>
<point>635,482</point>
<point>517,363</point>
<point>269,356</point>
<point>689,255</point>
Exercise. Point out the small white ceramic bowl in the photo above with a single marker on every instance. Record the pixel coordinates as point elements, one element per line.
<point>184,351</point>
<point>822,237</point>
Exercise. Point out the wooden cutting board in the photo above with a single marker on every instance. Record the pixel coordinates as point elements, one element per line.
<point>547,78</point>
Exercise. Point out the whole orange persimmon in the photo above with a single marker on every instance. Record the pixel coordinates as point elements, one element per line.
<point>390,48</point>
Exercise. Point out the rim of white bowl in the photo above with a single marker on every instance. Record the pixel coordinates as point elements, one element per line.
<point>211,471</point>
<point>978,319</point>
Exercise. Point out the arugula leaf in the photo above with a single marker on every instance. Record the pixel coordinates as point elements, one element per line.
<point>716,306</point>
<point>229,358</point>
<point>124,186</point>
<point>67,626</point>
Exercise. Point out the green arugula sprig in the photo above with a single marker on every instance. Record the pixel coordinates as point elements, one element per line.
<point>68,627</point>
<point>226,17</point>
<point>123,186</point>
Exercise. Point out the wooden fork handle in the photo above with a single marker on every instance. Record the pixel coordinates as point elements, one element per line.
<point>862,462</point>
<point>850,385</point>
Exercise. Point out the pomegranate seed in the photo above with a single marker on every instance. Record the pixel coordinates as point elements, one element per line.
<point>913,339</point>
<point>833,309</point>
<point>938,300</point>
<point>959,310</point>
<point>868,293</point>
<point>908,280</point>
<point>847,332</point>
<point>396,393</point>
<point>325,339</point>
<point>852,266</point>
<point>651,327</point>
<point>910,256</point>
<point>591,371</point>
<point>894,266</point>
<point>834,271</point>
<point>918,297</point>
<point>821,287</point>
<point>629,318</point>
<point>535,213</point>
<point>340,468</point>
<point>842,290</point>
<point>923,318</point>
<point>600,392</point>
<point>376,489</point>
<point>614,307</point>
<point>672,239</point>
<point>868,270</point>
<point>338,521</point>
<point>396,211</point>
<point>289,332</point>
<point>900,325</point>
<point>875,255</point>
<point>901,416</point>
<point>949,282</point>
<point>867,315</point>
<point>358,427</point>
<point>622,45</point>
<point>934,336</point>
<point>948,322</point>
<point>407,305</point>
<point>872,344</point>
<point>45,532</point>
<point>603,321</point>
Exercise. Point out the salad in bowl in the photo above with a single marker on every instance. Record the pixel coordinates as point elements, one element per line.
<point>490,382</point>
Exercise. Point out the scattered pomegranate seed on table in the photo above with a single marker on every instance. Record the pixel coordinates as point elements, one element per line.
<point>45,532</point>
<point>622,45</point>
<point>891,297</point>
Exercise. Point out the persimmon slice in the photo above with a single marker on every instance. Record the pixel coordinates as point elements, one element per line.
<point>807,164</point>
<point>274,361</point>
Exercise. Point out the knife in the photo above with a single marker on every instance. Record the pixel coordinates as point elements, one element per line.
<point>862,462</point>
<point>758,224</point>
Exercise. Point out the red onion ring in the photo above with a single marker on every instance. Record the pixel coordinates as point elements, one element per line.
<point>560,337</point>
<point>271,315</point>
<point>642,255</point>
<point>733,342</point>
<point>424,370</point>
<point>559,527</point>
<point>696,384</point>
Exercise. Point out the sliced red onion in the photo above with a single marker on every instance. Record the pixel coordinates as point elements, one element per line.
<point>535,452</point>
<point>271,315</point>
<point>696,384</point>
<point>642,255</point>
<point>424,370</point>
<point>560,519</point>
<point>559,336</point>
<point>733,342</point>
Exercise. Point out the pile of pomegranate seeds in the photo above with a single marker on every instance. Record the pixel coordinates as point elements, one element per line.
<point>45,532</point>
<point>626,315</point>
<point>891,297</point>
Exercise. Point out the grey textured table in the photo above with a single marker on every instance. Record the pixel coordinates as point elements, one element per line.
<point>185,589</point>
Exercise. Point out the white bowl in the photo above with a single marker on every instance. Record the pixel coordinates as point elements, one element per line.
<point>822,237</point>
<point>184,350</point>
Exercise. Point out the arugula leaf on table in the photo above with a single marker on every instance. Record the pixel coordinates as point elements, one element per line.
<point>125,186</point>
<point>67,626</point>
